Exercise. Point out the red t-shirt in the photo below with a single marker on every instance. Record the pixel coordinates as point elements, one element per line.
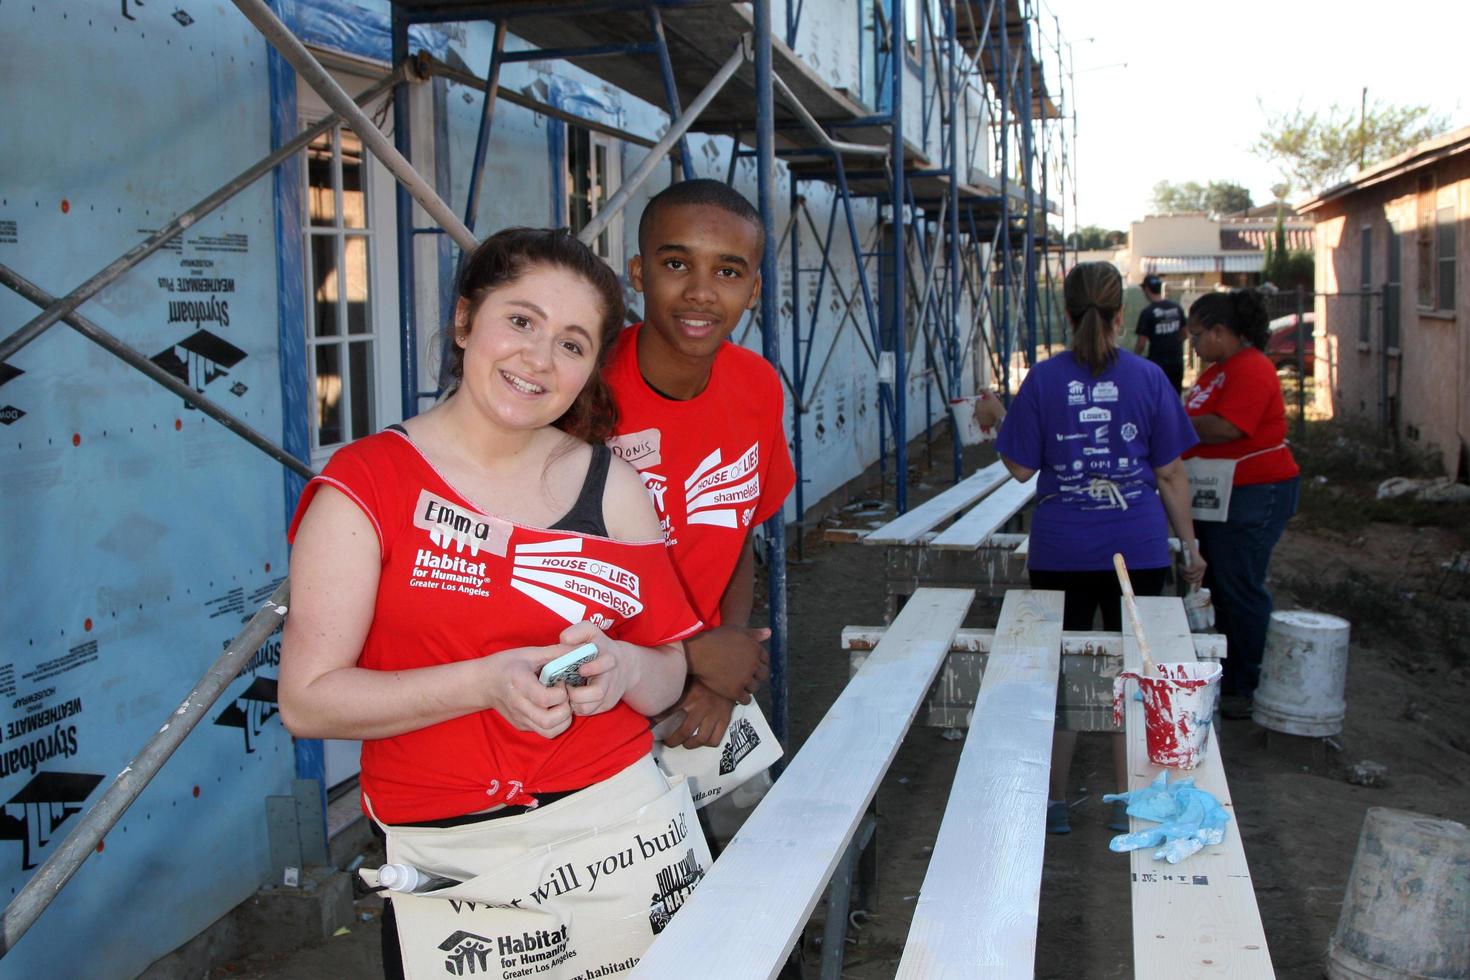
<point>1244,391</point>
<point>714,464</point>
<point>456,584</point>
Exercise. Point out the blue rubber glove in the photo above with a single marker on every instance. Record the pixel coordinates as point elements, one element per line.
<point>1188,819</point>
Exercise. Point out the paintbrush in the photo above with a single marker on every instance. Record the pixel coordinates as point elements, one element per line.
<point>1132,607</point>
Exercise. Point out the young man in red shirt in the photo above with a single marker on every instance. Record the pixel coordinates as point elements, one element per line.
<point>701,419</point>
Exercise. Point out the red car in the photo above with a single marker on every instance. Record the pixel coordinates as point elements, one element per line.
<point>1281,347</point>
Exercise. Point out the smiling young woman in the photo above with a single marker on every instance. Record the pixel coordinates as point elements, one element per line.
<point>438,566</point>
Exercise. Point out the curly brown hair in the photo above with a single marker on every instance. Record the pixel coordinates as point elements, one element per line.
<point>504,258</point>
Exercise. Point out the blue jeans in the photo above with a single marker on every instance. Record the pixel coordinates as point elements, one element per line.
<point>1238,552</point>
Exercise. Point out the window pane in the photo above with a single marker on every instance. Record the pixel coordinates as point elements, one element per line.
<point>324,284</point>
<point>360,363</point>
<point>328,359</point>
<point>321,204</point>
<point>354,203</point>
<point>1444,248</point>
<point>355,257</point>
<point>579,177</point>
<point>1395,256</point>
<point>1391,298</point>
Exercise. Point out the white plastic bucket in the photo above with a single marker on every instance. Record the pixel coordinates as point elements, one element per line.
<point>1178,706</point>
<point>962,412</point>
<point>1403,914</point>
<point>1303,674</point>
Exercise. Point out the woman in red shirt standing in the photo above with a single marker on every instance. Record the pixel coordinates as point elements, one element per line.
<point>437,567</point>
<point>1245,480</point>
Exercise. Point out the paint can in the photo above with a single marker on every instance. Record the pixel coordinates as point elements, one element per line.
<point>1303,674</point>
<point>1178,706</point>
<point>962,414</point>
<point>1407,901</point>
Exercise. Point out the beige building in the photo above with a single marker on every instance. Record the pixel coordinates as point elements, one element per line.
<point>1393,306</point>
<point>1194,253</point>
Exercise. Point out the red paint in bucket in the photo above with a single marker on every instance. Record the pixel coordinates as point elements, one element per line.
<point>1178,705</point>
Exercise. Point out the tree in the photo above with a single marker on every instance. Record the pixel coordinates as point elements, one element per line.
<point>1094,236</point>
<point>1315,150</point>
<point>1215,198</point>
<point>1287,268</point>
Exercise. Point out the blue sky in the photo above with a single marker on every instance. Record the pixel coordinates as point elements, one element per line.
<point>1188,104</point>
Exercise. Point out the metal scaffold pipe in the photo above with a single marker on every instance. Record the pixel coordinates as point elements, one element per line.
<point>677,129</point>
<point>30,291</point>
<point>58,309</point>
<point>312,72</point>
<point>37,893</point>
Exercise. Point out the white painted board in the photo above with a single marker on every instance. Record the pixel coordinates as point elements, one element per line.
<point>745,915</point>
<point>977,909</point>
<point>906,528</point>
<point>1197,918</point>
<point>986,517</point>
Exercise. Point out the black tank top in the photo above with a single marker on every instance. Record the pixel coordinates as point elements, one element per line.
<point>585,517</point>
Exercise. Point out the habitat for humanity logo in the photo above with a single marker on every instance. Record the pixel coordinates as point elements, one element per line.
<point>467,954</point>
<point>724,495</point>
<point>450,525</point>
<point>558,576</point>
<point>675,883</point>
<point>33,815</point>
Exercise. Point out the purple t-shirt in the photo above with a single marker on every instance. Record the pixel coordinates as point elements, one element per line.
<point>1095,443</point>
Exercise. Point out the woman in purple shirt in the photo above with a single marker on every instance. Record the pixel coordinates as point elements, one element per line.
<point>1104,430</point>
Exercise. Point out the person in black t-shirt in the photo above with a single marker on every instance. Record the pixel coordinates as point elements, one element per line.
<point>1161,331</point>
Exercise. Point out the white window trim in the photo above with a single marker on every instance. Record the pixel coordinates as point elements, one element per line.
<point>382,265</point>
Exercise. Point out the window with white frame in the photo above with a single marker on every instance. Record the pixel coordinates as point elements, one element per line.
<point>340,340</point>
<point>593,173</point>
<point>349,267</point>
<point>1438,250</point>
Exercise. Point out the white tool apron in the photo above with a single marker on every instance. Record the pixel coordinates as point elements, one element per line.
<point>577,886</point>
<point>1211,482</point>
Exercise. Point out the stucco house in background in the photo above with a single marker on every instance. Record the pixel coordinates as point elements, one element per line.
<point>1194,252</point>
<point>1392,327</point>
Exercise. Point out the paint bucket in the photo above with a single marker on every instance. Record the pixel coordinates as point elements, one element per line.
<point>1178,706</point>
<point>1199,610</point>
<point>1303,674</point>
<point>962,413</point>
<point>1407,901</point>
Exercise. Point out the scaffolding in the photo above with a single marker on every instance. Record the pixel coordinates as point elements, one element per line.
<point>949,281</point>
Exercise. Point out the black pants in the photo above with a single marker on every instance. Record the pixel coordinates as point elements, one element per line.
<point>1087,592</point>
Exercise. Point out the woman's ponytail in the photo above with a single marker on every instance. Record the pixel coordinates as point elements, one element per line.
<point>1093,294</point>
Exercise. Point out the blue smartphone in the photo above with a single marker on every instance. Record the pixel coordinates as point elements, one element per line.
<point>563,670</point>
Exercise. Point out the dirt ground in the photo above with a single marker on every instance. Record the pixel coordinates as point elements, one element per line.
<point>1298,816</point>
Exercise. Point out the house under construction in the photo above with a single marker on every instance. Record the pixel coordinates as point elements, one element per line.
<point>229,233</point>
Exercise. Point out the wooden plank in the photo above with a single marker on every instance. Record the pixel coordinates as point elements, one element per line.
<point>1024,548</point>
<point>977,908</point>
<point>1197,918</point>
<point>1082,643</point>
<point>905,528</point>
<point>747,912</point>
<point>986,517</point>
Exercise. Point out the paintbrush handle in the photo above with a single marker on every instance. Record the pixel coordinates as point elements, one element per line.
<point>1128,603</point>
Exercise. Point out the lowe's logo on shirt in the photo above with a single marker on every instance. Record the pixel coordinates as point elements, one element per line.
<point>1076,393</point>
<point>1094,415</point>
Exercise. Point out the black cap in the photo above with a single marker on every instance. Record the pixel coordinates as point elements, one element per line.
<point>1153,283</point>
